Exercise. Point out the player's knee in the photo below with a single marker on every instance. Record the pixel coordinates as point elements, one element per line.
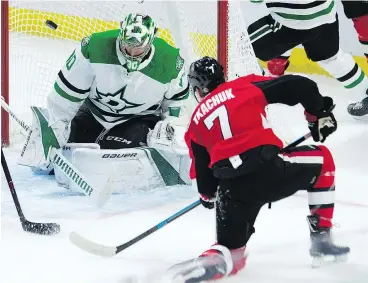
<point>328,160</point>
<point>327,176</point>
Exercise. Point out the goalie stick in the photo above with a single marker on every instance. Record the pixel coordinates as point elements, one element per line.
<point>28,226</point>
<point>110,251</point>
<point>101,196</point>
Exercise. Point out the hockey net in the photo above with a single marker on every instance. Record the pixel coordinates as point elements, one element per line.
<point>33,52</point>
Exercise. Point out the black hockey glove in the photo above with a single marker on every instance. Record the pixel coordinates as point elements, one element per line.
<point>323,123</point>
<point>207,202</point>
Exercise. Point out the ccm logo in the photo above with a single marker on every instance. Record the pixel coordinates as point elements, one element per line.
<point>111,138</point>
<point>115,155</point>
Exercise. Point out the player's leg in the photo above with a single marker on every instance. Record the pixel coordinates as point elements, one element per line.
<point>84,128</point>
<point>312,168</point>
<point>132,133</point>
<point>357,11</point>
<point>325,50</point>
<point>268,38</point>
<point>236,213</point>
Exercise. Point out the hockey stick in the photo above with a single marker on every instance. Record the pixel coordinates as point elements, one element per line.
<point>298,141</point>
<point>108,251</point>
<point>28,226</point>
<point>11,113</point>
<point>69,169</point>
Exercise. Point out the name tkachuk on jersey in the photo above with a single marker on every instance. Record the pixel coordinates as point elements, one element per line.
<point>232,119</point>
<point>211,103</point>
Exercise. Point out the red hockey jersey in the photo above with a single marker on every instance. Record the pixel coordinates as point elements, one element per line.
<point>231,120</point>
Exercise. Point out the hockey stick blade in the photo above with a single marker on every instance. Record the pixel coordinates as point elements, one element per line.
<point>109,251</point>
<point>91,247</point>
<point>41,228</point>
<point>28,226</point>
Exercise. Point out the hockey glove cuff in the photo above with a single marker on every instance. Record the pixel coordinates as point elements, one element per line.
<point>322,124</point>
<point>207,202</point>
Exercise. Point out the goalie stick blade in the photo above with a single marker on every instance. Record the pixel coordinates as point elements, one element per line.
<point>41,228</point>
<point>90,246</point>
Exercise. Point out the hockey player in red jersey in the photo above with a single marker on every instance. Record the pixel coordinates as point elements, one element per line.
<point>237,162</point>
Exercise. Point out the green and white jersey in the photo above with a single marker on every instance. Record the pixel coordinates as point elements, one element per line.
<point>95,74</point>
<point>302,14</point>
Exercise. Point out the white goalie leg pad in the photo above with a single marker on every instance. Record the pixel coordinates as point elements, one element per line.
<point>133,166</point>
<point>343,67</point>
<point>181,164</point>
<point>136,168</point>
<point>41,139</point>
<point>61,178</point>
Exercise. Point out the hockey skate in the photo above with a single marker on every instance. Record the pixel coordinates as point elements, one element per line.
<point>215,263</point>
<point>359,110</point>
<point>323,250</point>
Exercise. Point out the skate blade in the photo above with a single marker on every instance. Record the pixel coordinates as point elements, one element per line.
<point>363,118</point>
<point>186,271</point>
<point>320,261</point>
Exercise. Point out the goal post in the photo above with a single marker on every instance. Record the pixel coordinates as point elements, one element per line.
<point>34,51</point>
<point>5,138</point>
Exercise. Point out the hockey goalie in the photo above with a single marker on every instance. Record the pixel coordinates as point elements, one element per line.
<point>119,104</point>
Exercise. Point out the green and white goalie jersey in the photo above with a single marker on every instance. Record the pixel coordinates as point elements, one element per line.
<point>94,74</point>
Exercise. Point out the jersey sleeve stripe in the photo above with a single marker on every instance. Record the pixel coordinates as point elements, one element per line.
<point>70,86</point>
<point>62,93</point>
<point>320,13</point>
<point>181,95</point>
<point>295,6</point>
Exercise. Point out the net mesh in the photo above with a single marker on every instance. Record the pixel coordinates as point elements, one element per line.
<point>37,51</point>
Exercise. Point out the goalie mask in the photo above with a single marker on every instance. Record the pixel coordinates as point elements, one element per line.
<point>137,33</point>
<point>204,76</point>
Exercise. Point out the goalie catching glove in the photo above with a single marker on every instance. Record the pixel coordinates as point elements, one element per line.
<point>168,135</point>
<point>323,123</point>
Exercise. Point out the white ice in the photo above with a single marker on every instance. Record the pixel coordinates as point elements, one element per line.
<point>278,250</point>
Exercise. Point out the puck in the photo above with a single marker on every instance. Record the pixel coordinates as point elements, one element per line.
<point>51,24</point>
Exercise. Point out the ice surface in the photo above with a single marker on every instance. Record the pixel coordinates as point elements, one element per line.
<point>278,249</point>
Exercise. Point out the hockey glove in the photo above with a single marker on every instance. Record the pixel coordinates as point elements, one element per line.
<point>207,202</point>
<point>323,123</point>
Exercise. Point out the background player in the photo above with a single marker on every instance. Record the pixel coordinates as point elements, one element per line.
<point>357,11</point>
<point>314,25</point>
<point>236,160</point>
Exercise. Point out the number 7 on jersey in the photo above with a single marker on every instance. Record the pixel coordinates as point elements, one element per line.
<point>223,117</point>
